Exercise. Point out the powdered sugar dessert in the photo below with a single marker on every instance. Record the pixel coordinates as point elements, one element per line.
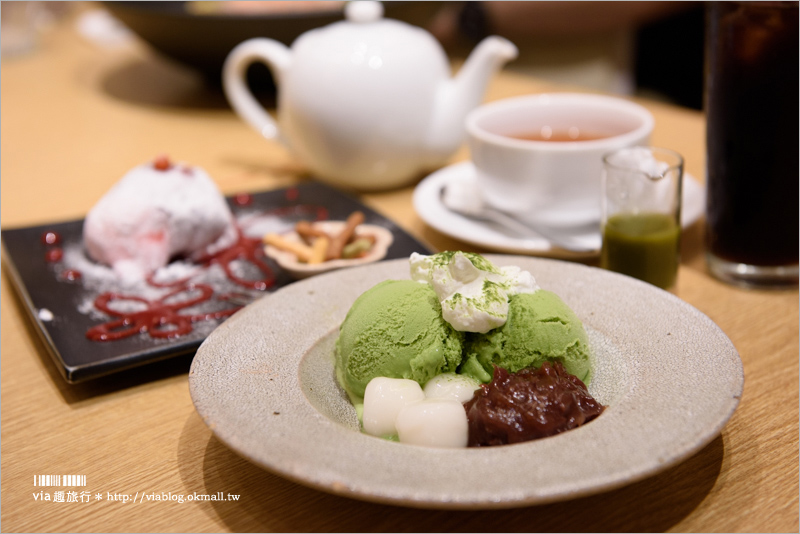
<point>158,211</point>
<point>164,255</point>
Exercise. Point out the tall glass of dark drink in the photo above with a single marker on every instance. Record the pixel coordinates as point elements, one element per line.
<point>752,140</point>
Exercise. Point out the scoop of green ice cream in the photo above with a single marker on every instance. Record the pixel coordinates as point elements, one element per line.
<point>395,330</point>
<point>540,327</point>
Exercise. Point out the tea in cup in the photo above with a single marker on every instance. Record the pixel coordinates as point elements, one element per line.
<point>540,157</point>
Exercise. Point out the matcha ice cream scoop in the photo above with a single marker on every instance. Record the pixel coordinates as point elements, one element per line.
<point>539,328</point>
<point>395,330</point>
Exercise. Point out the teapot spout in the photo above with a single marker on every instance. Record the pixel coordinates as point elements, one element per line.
<point>458,96</point>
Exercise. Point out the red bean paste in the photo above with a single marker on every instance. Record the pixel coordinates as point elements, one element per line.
<point>529,404</point>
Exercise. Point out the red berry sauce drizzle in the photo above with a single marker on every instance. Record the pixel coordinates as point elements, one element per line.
<point>161,318</point>
<point>250,249</point>
<point>54,254</point>
<point>51,238</point>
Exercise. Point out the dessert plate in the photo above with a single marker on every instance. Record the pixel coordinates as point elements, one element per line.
<point>670,378</point>
<point>428,204</point>
<point>65,307</point>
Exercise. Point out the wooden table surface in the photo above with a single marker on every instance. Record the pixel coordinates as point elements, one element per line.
<point>76,117</point>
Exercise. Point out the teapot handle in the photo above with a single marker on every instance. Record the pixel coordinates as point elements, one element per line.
<point>277,57</point>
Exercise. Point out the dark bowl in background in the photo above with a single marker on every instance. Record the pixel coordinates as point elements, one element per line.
<point>202,42</point>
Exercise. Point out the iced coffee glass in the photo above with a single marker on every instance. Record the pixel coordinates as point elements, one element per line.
<point>752,141</point>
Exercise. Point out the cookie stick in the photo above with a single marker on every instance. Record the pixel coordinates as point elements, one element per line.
<point>309,233</point>
<point>303,252</point>
<point>340,240</point>
<point>318,250</point>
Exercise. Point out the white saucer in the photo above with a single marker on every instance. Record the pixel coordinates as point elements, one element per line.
<point>429,206</point>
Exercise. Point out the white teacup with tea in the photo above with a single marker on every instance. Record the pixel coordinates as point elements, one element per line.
<point>540,157</point>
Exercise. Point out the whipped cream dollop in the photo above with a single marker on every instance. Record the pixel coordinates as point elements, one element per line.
<point>473,292</point>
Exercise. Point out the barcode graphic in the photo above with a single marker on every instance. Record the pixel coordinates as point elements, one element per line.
<point>59,480</point>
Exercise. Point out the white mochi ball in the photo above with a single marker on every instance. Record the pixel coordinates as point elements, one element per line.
<point>433,423</point>
<point>383,400</point>
<point>451,386</point>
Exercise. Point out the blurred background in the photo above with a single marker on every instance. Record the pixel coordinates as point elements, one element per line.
<point>652,49</point>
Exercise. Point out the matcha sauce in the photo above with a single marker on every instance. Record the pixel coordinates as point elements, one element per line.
<point>642,245</point>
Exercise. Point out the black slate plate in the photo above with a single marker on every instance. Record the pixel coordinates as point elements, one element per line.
<point>63,311</point>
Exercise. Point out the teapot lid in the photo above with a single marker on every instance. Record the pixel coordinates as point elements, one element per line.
<point>365,32</point>
<point>363,11</point>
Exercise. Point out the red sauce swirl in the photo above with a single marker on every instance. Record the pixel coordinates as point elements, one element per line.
<point>246,248</point>
<point>159,318</point>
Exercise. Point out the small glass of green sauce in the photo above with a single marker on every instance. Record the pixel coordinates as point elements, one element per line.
<point>641,214</point>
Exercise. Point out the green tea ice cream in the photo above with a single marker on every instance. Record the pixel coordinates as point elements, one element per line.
<point>539,328</point>
<point>395,330</point>
<point>459,322</point>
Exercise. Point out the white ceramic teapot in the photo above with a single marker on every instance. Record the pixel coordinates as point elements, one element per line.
<point>366,103</point>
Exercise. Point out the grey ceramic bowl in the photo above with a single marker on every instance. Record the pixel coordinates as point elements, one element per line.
<point>670,378</point>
